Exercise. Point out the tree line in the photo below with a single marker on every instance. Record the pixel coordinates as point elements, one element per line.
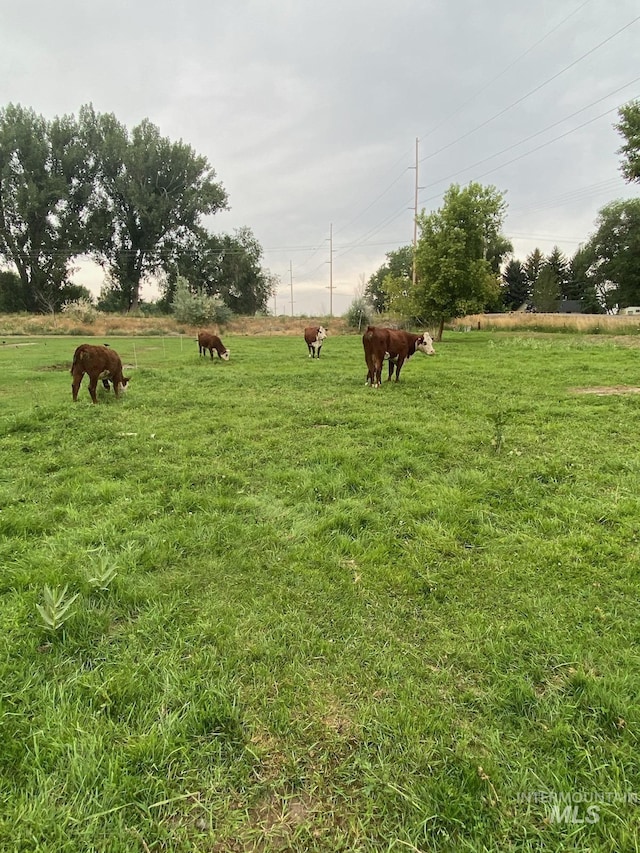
<point>132,200</point>
<point>464,264</point>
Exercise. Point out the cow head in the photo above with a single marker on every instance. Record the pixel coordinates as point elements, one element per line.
<point>225,355</point>
<point>123,384</point>
<point>424,344</point>
<point>322,334</point>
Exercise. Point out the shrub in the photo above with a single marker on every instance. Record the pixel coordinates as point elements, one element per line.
<point>198,309</point>
<point>359,313</point>
<point>82,310</point>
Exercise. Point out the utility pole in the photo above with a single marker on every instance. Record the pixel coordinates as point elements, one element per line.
<point>331,269</point>
<point>415,220</point>
<point>291,282</point>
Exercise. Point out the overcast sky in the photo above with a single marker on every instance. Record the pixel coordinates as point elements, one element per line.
<point>309,112</point>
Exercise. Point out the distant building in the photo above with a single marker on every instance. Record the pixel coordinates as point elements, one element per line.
<point>571,306</point>
<point>632,309</point>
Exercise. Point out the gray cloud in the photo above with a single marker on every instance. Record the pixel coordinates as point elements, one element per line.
<point>309,112</point>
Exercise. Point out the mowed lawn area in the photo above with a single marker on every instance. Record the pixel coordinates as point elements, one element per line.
<point>343,619</point>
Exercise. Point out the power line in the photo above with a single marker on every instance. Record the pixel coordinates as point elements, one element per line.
<point>369,206</point>
<point>537,148</point>
<point>462,105</point>
<point>533,135</point>
<point>505,69</point>
<point>531,92</point>
<point>571,196</point>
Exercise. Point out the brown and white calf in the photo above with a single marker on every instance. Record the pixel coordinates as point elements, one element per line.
<point>99,362</point>
<point>211,342</point>
<point>394,344</point>
<point>314,336</point>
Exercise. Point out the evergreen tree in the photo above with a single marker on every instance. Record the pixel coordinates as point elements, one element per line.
<point>515,286</point>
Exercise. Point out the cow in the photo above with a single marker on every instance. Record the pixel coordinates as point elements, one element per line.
<point>100,362</point>
<point>394,344</point>
<point>208,341</point>
<point>314,336</point>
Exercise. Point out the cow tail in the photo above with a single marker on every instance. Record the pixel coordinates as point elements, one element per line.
<point>78,357</point>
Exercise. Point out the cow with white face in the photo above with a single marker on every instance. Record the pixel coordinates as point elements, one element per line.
<point>314,336</point>
<point>395,345</point>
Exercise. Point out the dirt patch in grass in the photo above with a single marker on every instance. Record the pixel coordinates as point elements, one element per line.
<point>271,826</point>
<point>605,390</point>
<point>63,365</point>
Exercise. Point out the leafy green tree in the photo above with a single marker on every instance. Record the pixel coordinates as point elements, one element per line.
<point>455,276</point>
<point>227,266</point>
<point>12,298</point>
<point>398,265</point>
<point>152,196</point>
<point>615,253</point>
<point>629,128</point>
<point>46,182</point>
<point>198,260</point>
<point>498,247</point>
<point>546,291</point>
<point>515,285</point>
<point>110,299</point>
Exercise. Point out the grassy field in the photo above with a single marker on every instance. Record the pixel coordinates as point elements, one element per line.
<point>341,619</point>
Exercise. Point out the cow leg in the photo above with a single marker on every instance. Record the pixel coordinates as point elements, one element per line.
<point>310,350</point>
<point>75,386</point>
<point>318,350</point>
<point>93,384</point>
<point>211,353</point>
<point>398,366</point>
<point>377,374</point>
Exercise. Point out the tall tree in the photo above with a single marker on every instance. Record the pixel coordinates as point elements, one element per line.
<point>615,250</point>
<point>533,265</point>
<point>546,291</point>
<point>228,266</point>
<point>245,286</point>
<point>398,265</point>
<point>46,183</point>
<point>582,282</point>
<point>455,276</point>
<point>558,263</point>
<point>498,249</point>
<point>153,194</point>
<point>12,299</point>
<point>515,285</point>
<point>629,128</point>
<point>197,260</point>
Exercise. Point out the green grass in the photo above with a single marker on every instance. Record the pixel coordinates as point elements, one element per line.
<point>343,619</point>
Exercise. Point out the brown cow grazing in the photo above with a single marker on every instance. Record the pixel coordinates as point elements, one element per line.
<point>100,362</point>
<point>314,336</point>
<point>207,341</point>
<point>394,344</point>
